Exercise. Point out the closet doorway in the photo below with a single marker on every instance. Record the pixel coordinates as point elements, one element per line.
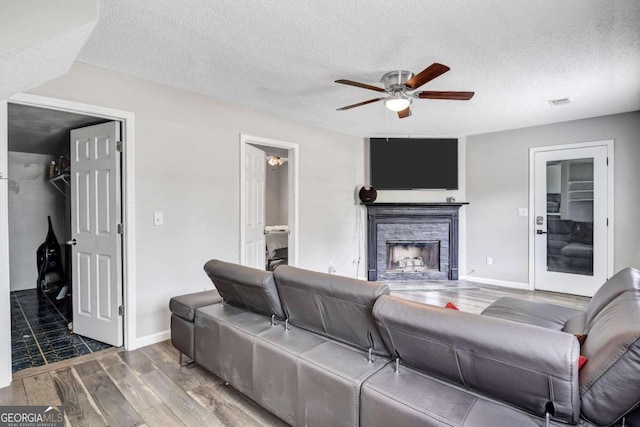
<point>269,207</point>
<point>65,168</point>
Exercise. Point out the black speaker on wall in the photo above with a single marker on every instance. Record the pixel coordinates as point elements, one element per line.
<point>368,194</point>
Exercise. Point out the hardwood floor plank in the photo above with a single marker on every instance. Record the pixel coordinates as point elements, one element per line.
<point>185,408</point>
<point>132,387</point>
<point>112,404</point>
<point>169,365</point>
<point>137,361</point>
<point>161,416</point>
<point>14,394</point>
<point>232,407</point>
<point>225,402</point>
<point>41,390</point>
<point>29,372</point>
<point>79,406</point>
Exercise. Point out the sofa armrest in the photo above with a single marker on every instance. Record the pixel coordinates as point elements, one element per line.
<point>523,365</point>
<point>184,306</point>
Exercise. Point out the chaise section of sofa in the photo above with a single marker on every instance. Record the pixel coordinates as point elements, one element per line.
<point>609,381</point>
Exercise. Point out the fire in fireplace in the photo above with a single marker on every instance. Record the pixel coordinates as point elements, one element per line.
<point>413,256</point>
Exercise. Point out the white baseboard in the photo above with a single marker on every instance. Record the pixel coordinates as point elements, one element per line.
<point>495,282</point>
<point>152,339</point>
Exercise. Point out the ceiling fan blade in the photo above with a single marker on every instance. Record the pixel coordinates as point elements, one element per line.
<point>359,104</point>
<point>431,72</point>
<point>362,85</point>
<point>459,96</point>
<point>404,113</point>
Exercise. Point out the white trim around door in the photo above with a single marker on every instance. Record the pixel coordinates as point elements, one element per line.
<point>609,144</point>
<point>293,192</point>
<point>128,199</point>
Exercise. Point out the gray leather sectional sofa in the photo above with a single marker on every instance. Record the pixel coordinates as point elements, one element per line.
<point>325,350</point>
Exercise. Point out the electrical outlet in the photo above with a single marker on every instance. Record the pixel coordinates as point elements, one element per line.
<point>489,260</point>
<point>158,218</point>
<point>523,212</point>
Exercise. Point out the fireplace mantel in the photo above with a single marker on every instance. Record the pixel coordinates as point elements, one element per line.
<point>424,219</point>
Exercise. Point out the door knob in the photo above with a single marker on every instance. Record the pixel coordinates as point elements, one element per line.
<point>540,232</point>
<point>72,242</point>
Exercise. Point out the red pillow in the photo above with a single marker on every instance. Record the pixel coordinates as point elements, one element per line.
<point>581,361</point>
<point>452,306</point>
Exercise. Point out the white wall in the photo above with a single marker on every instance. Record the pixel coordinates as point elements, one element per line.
<point>187,166</point>
<point>498,184</point>
<point>31,200</point>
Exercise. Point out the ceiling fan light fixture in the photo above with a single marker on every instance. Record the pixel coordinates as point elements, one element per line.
<point>397,102</point>
<point>276,160</point>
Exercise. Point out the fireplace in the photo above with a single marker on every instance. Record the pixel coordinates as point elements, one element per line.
<point>412,241</point>
<point>412,256</point>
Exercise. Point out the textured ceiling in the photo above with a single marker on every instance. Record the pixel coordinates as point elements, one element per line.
<point>283,56</point>
<point>40,40</point>
<point>43,131</point>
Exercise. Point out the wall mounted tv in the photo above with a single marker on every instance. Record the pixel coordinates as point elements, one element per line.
<point>413,163</point>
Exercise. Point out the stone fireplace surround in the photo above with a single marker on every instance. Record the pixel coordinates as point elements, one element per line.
<point>412,222</point>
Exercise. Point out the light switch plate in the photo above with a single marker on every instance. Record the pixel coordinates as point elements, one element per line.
<point>158,218</point>
<point>523,212</point>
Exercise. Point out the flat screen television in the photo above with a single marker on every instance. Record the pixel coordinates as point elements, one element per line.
<point>413,163</point>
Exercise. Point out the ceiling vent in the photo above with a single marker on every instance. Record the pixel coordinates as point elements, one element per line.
<point>561,101</point>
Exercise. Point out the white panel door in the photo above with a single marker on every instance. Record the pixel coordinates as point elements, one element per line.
<point>571,239</point>
<point>254,182</point>
<point>97,249</point>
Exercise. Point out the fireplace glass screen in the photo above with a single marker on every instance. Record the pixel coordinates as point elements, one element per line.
<point>413,256</point>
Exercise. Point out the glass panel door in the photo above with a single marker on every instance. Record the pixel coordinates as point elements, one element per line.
<point>570,220</point>
<point>570,216</point>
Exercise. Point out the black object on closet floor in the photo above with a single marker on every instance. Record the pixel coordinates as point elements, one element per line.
<point>39,332</point>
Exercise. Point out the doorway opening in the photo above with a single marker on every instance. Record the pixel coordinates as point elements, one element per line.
<point>269,202</point>
<point>571,228</point>
<point>39,203</point>
<point>45,146</point>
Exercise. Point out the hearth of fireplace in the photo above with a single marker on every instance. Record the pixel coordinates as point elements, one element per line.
<point>405,256</point>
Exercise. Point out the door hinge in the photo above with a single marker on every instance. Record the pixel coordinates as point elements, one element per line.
<point>607,222</point>
<point>121,310</point>
<point>607,161</point>
<point>120,228</point>
<point>119,146</point>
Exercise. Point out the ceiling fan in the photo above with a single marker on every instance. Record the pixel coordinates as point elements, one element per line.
<point>400,86</point>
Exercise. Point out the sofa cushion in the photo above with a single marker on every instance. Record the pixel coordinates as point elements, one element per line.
<point>542,314</point>
<point>555,245</point>
<point>245,287</point>
<point>577,250</point>
<point>560,226</point>
<point>623,281</point>
<point>409,398</point>
<point>184,306</point>
<point>609,383</point>
<point>520,364</point>
<point>334,306</point>
<point>582,232</point>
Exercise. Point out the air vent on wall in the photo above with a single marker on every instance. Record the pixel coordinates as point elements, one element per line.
<point>561,101</point>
